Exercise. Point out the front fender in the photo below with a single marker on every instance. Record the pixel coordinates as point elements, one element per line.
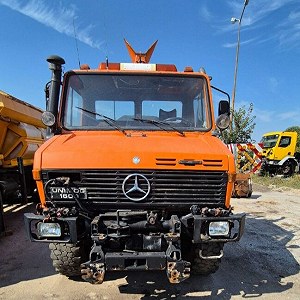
<point>285,159</point>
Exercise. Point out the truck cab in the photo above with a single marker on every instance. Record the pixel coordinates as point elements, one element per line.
<point>133,176</point>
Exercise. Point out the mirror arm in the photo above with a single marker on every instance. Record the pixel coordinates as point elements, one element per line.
<point>223,92</point>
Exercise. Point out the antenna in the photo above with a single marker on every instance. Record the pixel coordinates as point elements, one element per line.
<point>105,33</point>
<point>76,42</point>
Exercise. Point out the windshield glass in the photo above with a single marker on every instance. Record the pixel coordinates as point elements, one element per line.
<point>129,102</point>
<point>269,141</point>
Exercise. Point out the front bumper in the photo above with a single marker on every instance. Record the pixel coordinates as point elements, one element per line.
<point>200,225</point>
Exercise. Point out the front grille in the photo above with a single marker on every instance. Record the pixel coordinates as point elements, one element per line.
<point>167,187</point>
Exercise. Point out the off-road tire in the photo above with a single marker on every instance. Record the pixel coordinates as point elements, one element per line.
<point>67,258</point>
<point>200,266</point>
<point>288,169</point>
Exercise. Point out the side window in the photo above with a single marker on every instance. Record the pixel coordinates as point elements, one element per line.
<point>285,141</point>
<point>73,113</point>
<point>199,112</point>
<point>201,109</point>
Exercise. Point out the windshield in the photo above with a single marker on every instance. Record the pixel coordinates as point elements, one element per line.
<point>131,102</point>
<point>269,141</point>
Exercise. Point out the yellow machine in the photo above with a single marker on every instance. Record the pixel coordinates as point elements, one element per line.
<point>21,133</point>
<point>279,156</point>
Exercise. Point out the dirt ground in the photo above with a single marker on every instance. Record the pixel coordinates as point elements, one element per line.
<point>264,264</point>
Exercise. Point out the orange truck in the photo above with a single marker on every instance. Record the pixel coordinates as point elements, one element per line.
<point>134,176</point>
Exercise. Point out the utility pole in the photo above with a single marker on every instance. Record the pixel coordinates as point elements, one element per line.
<point>233,21</point>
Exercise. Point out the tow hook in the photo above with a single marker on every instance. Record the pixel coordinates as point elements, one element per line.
<point>93,272</point>
<point>178,271</point>
<point>211,256</point>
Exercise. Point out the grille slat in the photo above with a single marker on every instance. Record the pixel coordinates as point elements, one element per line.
<point>167,186</point>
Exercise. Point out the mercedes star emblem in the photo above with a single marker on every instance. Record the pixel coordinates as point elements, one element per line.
<point>136,187</point>
<point>136,160</point>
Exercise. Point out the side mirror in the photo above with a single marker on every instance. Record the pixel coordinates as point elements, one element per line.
<point>223,108</point>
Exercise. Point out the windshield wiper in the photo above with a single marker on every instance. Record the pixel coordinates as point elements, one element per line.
<point>159,124</point>
<point>106,119</point>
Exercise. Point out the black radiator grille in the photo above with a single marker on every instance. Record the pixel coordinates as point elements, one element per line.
<point>166,186</point>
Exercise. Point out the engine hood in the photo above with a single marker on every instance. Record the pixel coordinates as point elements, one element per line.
<point>114,150</point>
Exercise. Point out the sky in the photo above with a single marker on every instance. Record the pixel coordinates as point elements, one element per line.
<point>196,33</point>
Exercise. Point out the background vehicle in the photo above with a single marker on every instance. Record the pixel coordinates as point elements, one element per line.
<point>279,156</point>
<point>134,177</point>
<point>21,133</point>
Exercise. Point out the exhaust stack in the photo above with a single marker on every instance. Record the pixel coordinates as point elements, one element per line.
<point>55,63</point>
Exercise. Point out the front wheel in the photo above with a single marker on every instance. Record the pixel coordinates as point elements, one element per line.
<point>288,169</point>
<point>67,258</point>
<point>200,266</point>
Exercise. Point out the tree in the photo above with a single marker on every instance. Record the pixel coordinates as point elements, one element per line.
<point>296,129</point>
<point>242,126</point>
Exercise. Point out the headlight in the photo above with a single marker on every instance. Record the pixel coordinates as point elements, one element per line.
<point>48,118</point>
<point>49,229</point>
<point>223,122</point>
<point>218,228</point>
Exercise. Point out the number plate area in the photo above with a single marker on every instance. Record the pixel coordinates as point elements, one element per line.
<point>66,193</point>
